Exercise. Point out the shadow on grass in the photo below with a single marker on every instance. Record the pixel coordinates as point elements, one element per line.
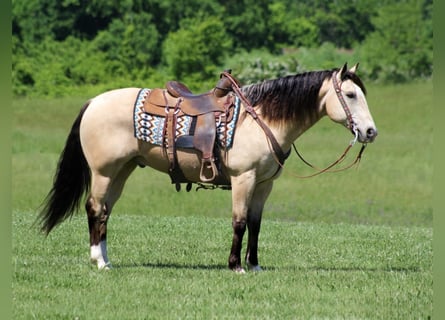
<point>408,269</point>
<point>177,266</point>
<point>161,265</point>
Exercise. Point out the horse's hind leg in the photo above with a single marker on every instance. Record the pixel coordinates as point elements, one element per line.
<point>105,192</point>
<point>98,213</point>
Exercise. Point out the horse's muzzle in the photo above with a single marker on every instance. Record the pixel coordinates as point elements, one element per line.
<point>369,136</point>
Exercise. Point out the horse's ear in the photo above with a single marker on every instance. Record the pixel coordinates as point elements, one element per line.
<point>343,71</point>
<point>354,68</point>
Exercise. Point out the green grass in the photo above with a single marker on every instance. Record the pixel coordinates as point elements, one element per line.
<point>355,244</point>
<point>174,267</point>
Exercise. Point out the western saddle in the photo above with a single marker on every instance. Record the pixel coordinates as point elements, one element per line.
<point>208,109</point>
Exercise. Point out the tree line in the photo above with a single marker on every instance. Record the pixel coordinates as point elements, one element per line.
<point>59,46</point>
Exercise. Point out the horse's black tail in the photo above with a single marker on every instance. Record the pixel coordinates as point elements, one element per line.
<point>71,181</point>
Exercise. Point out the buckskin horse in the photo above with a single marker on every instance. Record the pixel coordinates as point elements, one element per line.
<point>238,138</point>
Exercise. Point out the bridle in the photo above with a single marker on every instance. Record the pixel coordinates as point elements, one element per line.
<point>351,125</point>
<point>279,155</point>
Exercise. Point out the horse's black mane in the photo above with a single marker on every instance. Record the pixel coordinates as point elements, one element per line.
<point>292,97</point>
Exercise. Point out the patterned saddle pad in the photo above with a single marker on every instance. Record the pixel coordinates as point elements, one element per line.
<point>150,128</point>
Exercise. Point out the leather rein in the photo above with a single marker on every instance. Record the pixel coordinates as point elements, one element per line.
<point>280,156</point>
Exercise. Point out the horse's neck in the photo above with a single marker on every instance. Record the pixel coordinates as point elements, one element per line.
<point>286,133</point>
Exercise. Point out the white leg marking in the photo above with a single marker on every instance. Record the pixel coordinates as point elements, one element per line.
<point>240,270</point>
<point>98,255</point>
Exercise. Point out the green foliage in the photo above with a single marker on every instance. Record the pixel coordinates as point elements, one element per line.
<point>129,45</point>
<point>33,20</point>
<point>197,48</point>
<point>344,23</point>
<point>259,65</point>
<point>286,29</point>
<point>52,67</point>
<point>22,70</point>
<point>400,48</point>
<point>143,42</point>
<point>326,56</point>
<point>246,22</point>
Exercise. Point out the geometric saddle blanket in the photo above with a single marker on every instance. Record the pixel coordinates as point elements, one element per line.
<point>150,128</point>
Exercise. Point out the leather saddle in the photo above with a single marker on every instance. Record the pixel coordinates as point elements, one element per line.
<point>208,109</point>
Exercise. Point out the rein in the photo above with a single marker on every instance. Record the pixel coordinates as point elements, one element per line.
<point>339,160</point>
<point>279,155</point>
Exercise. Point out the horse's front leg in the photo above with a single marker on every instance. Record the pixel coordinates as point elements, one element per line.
<point>242,189</point>
<point>254,215</point>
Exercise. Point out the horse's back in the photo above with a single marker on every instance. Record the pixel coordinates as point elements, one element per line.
<point>121,95</point>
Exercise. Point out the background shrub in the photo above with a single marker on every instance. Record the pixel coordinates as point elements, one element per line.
<point>67,46</point>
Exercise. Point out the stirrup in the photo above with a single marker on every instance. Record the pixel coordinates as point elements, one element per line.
<point>208,164</point>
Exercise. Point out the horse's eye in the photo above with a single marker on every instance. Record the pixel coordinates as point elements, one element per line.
<point>350,95</point>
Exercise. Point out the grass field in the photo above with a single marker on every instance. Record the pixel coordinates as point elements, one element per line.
<point>356,244</point>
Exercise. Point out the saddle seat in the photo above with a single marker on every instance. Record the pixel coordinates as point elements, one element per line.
<point>178,89</point>
<point>208,108</point>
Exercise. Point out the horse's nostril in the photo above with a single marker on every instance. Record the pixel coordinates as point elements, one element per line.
<point>371,133</point>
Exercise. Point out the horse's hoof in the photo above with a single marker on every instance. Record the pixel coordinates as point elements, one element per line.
<point>239,270</point>
<point>101,265</point>
<point>256,268</point>
<point>252,267</point>
<point>106,266</point>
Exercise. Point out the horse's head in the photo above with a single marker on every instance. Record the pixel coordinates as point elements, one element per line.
<point>346,104</point>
